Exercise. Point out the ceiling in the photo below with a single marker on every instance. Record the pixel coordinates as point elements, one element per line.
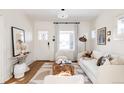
<point>51,14</point>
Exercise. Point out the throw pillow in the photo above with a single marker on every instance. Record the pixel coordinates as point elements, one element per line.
<point>59,61</point>
<point>115,61</point>
<point>109,57</point>
<point>100,61</point>
<point>121,60</point>
<point>107,62</point>
<point>87,54</point>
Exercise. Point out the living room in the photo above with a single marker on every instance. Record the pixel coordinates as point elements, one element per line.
<point>62,35</point>
<point>61,46</point>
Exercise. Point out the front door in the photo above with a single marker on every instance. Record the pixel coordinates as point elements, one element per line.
<point>43,45</point>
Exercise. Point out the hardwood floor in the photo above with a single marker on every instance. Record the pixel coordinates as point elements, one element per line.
<point>34,67</point>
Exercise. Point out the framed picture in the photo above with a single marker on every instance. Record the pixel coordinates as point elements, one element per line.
<point>101,36</point>
<point>18,37</point>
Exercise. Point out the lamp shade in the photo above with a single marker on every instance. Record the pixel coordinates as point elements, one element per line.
<point>83,39</point>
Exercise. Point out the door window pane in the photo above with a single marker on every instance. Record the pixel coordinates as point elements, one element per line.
<point>42,35</point>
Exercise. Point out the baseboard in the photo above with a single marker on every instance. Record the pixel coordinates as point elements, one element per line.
<point>44,61</point>
<point>8,78</point>
<point>51,61</point>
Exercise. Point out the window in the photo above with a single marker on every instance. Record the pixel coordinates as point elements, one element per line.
<point>66,40</point>
<point>93,34</point>
<point>42,35</point>
<point>120,26</point>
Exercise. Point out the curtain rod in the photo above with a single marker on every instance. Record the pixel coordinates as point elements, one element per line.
<point>66,22</point>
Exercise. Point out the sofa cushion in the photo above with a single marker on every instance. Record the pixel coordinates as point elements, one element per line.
<point>121,60</point>
<point>114,61</point>
<point>91,66</point>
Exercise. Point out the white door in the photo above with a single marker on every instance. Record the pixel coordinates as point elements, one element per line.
<point>42,45</point>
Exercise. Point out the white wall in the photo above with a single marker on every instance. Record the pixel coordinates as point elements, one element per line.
<point>2,49</point>
<point>109,19</point>
<point>84,28</point>
<point>17,19</point>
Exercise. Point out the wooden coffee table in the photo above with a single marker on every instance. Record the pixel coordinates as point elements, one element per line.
<point>57,69</point>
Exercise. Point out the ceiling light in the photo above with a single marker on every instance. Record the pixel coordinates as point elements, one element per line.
<point>63,14</point>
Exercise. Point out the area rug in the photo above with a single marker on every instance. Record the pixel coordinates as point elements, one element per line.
<point>46,69</point>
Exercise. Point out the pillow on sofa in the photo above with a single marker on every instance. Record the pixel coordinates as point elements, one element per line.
<point>97,54</point>
<point>118,60</point>
<point>100,61</point>
<point>121,60</point>
<point>87,54</point>
<point>107,62</point>
<point>114,61</point>
<point>103,61</point>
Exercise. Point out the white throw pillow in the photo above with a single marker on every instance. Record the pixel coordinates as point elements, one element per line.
<point>59,61</point>
<point>121,60</point>
<point>107,62</point>
<point>115,61</point>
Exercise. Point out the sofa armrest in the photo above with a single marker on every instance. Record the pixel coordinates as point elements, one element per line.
<point>111,74</point>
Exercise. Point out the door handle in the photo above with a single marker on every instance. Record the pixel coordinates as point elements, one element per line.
<point>48,43</point>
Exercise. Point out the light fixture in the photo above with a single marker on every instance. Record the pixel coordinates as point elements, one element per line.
<point>83,39</point>
<point>63,14</point>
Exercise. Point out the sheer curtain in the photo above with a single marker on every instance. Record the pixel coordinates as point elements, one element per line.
<point>66,40</point>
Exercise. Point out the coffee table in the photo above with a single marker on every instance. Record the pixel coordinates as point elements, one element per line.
<point>57,69</point>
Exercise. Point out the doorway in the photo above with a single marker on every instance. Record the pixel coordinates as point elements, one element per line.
<point>66,40</point>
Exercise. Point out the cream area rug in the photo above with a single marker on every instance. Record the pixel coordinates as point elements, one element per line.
<point>46,69</point>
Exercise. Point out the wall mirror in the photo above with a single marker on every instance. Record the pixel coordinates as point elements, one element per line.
<point>18,37</point>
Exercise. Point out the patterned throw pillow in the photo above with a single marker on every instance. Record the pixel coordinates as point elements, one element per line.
<point>87,54</point>
<point>104,60</point>
<point>100,61</point>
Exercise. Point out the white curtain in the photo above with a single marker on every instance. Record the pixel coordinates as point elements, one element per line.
<point>66,28</point>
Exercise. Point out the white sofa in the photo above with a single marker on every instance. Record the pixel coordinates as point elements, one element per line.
<point>107,73</point>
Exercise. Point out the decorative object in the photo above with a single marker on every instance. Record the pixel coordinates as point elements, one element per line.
<point>108,36</point>
<point>87,54</point>
<point>62,60</point>
<point>63,14</point>
<point>53,38</point>
<point>101,36</point>
<point>108,33</point>
<point>108,39</point>
<point>67,68</point>
<point>19,70</point>
<point>83,39</point>
<point>20,52</point>
<point>18,38</point>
